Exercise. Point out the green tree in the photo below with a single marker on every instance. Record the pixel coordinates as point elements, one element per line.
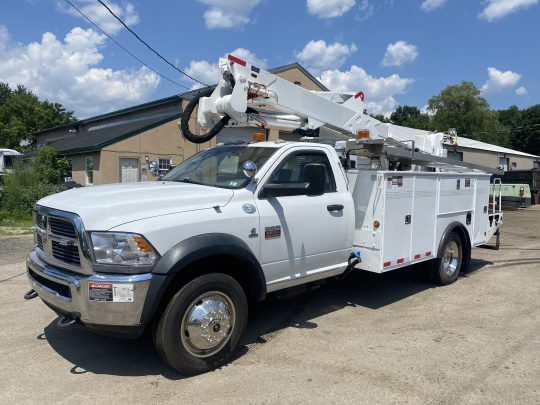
<point>50,167</point>
<point>524,126</point>
<point>22,113</point>
<point>410,116</point>
<point>462,106</point>
<point>379,117</point>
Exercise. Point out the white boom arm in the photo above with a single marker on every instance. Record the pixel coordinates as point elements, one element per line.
<point>257,98</point>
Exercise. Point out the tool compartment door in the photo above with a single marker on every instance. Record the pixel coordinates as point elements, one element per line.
<point>398,217</point>
<point>424,214</point>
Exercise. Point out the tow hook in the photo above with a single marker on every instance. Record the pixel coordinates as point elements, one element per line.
<point>30,295</point>
<point>65,322</point>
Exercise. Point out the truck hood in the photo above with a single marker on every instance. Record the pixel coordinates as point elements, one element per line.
<point>107,206</point>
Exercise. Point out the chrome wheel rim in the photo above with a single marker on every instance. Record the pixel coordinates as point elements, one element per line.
<point>450,258</point>
<point>207,324</point>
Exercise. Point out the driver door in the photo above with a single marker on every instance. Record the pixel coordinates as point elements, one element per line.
<point>303,236</point>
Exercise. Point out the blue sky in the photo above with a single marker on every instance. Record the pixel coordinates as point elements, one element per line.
<point>397,52</point>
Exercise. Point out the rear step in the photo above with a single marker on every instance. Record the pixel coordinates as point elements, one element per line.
<point>497,242</point>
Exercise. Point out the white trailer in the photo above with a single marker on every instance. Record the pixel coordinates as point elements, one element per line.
<point>6,159</point>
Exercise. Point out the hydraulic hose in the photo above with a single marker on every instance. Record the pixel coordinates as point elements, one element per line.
<point>186,115</point>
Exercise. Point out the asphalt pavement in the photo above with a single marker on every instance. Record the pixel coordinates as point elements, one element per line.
<point>392,338</point>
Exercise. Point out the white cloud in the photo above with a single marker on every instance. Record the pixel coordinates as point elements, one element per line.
<point>101,16</point>
<point>329,8</point>
<point>521,91</point>
<point>498,80</point>
<point>430,5</point>
<point>497,9</point>
<point>208,72</point>
<point>318,55</point>
<point>228,13</point>
<point>380,91</point>
<point>398,53</point>
<point>65,72</point>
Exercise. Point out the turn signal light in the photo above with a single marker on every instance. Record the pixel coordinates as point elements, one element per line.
<point>363,134</point>
<point>376,224</point>
<point>259,137</point>
<point>142,244</point>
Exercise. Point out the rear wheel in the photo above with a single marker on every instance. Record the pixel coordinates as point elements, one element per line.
<point>202,324</point>
<point>447,267</point>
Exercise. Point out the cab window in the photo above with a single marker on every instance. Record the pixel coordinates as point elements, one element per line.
<point>292,170</point>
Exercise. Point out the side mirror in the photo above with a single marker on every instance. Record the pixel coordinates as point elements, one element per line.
<point>249,168</point>
<point>154,168</point>
<point>315,175</point>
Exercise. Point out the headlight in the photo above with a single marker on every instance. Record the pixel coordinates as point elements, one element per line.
<point>128,249</point>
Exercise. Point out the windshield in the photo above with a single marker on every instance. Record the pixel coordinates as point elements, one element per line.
<point>220,166</point>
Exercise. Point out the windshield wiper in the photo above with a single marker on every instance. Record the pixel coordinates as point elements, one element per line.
<point>187,180</point>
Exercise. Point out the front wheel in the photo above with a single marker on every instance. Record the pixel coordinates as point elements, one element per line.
<point>447,267</point>
<point>202,324</point>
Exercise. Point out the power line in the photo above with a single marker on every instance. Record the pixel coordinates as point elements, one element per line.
<point>126,50</point>
<point>148,46</point>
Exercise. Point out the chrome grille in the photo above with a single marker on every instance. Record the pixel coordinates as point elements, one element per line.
<point>39,220</point>
<point>65,252</point>
<point>58,238</point>
<point>62,228</point>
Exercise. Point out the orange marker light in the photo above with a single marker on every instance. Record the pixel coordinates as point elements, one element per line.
<point>259,136</point>
<point>362,134</point>
<point>142,244</point>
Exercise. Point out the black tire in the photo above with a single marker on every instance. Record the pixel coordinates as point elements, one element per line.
<point>446,267</point>
<point>172,332</point>
<point>186,115</point>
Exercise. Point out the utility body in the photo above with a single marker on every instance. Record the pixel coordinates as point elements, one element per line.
<point>238,221</point>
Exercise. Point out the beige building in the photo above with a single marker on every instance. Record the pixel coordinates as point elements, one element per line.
<point>492,156</point>
<point>119,146</point>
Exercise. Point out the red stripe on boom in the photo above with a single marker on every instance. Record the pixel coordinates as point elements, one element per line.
<point>236,60</point>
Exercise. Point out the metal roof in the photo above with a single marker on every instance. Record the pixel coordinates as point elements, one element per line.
<point>473,144</point>
<point>99,138</point>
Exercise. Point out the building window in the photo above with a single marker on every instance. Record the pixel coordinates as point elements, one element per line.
<point>164,164</point>
<point>89,170</point>
<point>504,163</point>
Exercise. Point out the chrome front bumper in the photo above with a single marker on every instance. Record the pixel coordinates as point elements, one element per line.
<point>69,293</point>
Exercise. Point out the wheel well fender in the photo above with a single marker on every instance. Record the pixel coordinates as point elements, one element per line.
<point>214,252</point>
<point>463,234</point>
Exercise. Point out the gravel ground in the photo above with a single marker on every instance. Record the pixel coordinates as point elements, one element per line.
<point>13,249</point>
<point>390,338</point>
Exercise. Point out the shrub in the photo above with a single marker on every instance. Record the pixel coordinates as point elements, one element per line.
<point>25,185</point>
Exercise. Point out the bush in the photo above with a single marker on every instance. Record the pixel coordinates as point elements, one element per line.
<point>25,185</point>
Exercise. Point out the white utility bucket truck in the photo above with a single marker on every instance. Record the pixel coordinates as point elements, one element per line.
<point>238,221</point>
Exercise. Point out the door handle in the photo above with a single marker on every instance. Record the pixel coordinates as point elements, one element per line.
<point>335,207</point>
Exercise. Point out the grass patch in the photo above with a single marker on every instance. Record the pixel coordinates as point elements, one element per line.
<point>13,231</point>
<point>15,220</point>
